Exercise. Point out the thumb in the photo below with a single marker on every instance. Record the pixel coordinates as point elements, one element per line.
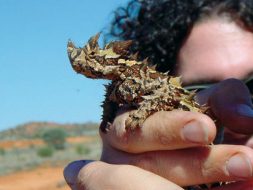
<point>230,103</point>
<point>86,175</point>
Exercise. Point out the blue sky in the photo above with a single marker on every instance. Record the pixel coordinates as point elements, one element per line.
<point>37,82</point>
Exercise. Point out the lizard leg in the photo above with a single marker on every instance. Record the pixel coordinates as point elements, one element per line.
<point>159,101</point>
<point>137,117</point>
<point>109,110</point>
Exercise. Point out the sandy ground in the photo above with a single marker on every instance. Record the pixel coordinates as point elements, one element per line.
<point>41,178</point>
<point>21,144</point>
<point>39,142</point>
<point>38,179</point>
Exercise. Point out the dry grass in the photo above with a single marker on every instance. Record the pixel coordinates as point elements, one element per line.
<point>25,158</point>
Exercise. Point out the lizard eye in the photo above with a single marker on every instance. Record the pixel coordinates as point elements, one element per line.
<point>92,54</point>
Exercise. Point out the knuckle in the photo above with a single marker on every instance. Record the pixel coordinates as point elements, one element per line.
<point>146,161</point>
<point>86,176</point>
<point>123,138</point>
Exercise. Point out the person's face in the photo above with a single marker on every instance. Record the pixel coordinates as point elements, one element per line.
<point>214,51</point>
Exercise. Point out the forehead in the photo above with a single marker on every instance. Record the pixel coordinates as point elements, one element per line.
<point>216,50</point>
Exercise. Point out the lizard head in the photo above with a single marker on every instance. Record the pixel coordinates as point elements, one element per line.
<point>93,62</point>
<point>83,60</point>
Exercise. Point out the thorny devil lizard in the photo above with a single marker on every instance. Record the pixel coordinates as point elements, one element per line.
<point>134,83</point>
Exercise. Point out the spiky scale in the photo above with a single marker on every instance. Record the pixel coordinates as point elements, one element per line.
<point>153,67</point>
<point>134,57</point>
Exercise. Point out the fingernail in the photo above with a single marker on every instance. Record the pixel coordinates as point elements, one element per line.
<point>244,110</point>
<point>71,171</point>
<point>195,131</point>
<point>239,165</point>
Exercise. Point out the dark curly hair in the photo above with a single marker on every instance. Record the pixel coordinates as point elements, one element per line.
<point>159,27</point>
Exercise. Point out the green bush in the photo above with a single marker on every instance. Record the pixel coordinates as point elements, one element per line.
<point>2,151</point>
<point>45,152</point>
<point>82,150</point>
<point>55,138</point>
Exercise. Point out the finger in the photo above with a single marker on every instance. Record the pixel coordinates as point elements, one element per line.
<point>99,175</point>
<point>206,164</point>
<point>71,172</point>
<point>186,167</point>
<point>231,104</point>
<point>165,130</point>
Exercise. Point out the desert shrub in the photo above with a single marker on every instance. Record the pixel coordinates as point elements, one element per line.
<point>54,137</point>
<point>45,152</point>
<point>82,150</point>
<point>2,151</point>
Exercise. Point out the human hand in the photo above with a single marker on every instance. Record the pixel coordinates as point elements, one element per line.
<point>167,147</point>
<point>231,106</point>
<point>100,175</point>
<point>154,149</point>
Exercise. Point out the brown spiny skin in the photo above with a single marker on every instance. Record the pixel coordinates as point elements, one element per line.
<point>134,83</point>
